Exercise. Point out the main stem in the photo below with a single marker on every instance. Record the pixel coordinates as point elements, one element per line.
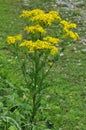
<point>34,93</point>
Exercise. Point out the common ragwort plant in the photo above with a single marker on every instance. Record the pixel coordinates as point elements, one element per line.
<point>36,49</point>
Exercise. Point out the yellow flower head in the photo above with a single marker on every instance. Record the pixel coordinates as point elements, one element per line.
<point>55,15</point>
<point>11,40</point>
<point>18,37</point>
<point>73,35</point>
<point>46,18</point>
<point>26,43</point>
<point>51,39</point>
<point>68,24</point>
<point>67,27</point>
<point>37,12</point>
<point>40,16</point>
<point>39,45</point>
<point>42,45</point>
<point>35,28</point>
<point>26,13</point>
<point>54,50</point>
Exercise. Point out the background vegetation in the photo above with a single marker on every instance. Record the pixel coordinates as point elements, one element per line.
<point>64,103</point>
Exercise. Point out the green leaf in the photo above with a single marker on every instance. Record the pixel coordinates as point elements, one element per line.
<point>1,104</point>
<point>12,128</point>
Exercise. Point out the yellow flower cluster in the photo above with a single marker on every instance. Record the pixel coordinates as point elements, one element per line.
<point>13,39</point>
<point>26,13</point>
<point>46,18</point>
<point>40,16</point>
<point>35,29</point>
<point>51,39</point>
<point>39,45</point>
<point>68,25</point>
<point>71,34</point>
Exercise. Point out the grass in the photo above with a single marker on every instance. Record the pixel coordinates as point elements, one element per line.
<point>65,101</point>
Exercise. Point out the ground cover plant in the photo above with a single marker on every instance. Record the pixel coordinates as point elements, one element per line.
<point>64,102</point>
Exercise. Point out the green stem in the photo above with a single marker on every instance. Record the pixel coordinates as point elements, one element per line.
<point>34,93</point>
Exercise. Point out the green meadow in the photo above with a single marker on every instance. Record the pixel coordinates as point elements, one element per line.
<point>64,102</point>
